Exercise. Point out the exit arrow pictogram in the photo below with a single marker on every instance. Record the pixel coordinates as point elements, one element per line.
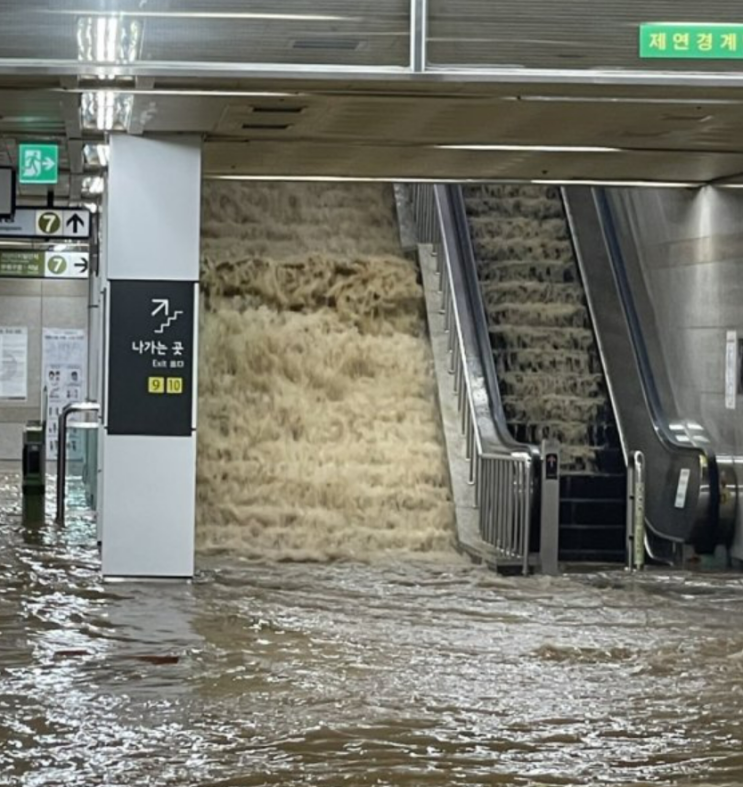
<point>76,221</point>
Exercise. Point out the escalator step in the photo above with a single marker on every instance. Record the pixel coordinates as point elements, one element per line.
<point>593,487</point>
<point>590,538</point>
<point>592,556</point>
<point>587,512</point>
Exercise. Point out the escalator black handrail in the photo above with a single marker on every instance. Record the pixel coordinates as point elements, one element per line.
<point>473,293</point>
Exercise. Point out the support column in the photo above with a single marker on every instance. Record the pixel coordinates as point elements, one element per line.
<point>149,400</point>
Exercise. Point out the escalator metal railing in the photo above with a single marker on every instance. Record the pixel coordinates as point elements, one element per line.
<point>503,473</point>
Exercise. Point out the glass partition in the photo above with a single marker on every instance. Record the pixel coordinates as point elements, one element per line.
<point>82,466</point>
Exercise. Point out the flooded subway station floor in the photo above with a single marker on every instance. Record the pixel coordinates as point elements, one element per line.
<point>391,673</point>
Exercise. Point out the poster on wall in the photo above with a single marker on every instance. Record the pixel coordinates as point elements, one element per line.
<point>64,368</point>
<point>14,363</point>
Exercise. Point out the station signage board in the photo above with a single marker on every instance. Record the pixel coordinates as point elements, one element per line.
<point>151,358</point>
<point>68,224</point>
<point>22,264</point>
<point>691,41</point>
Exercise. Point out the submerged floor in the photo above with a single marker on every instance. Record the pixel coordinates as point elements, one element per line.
<point>391,673</point>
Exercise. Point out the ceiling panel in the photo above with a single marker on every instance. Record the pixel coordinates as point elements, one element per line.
<point>579,120</point>
<point>331,32</point>
<point>33,112</point>
<point>564,34</point>
<point>407,162</point>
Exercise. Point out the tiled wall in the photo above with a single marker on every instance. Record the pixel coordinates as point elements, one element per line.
<point>36,305</point>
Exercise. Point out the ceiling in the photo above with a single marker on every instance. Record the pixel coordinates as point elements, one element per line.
<point>337,88</point>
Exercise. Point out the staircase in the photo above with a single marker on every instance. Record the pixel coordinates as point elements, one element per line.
<point>547,361</point>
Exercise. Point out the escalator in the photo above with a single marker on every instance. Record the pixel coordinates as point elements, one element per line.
<point>547,360</point>
<point>567,361</point>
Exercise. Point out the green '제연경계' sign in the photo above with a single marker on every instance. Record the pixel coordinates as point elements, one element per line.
<point>686,41</point>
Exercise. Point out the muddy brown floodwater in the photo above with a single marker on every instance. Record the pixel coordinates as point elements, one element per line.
<point>385,673</point>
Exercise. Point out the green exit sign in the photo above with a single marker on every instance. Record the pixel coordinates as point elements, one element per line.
<point>38,164</point>
<point>691,41</point>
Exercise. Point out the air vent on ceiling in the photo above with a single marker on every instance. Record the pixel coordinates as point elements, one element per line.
<point>279,110</point>
<point>266,126</point>
<point>688,118</point>
<point>344,44</point>
<point>643,134</point>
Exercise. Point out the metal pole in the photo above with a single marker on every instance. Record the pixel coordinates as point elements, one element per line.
<point>639,511</point>
<point>418,35</point>
<point>550,508</point>
<point>636,511</point>
<point>630,513</point>
<point>75,407</point>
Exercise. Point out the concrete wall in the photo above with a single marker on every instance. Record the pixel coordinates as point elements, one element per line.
<point>690,250</point>
<point>36,305</point>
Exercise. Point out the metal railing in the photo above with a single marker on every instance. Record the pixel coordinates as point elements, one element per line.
<point>503,478</point>
<point>77,407</point>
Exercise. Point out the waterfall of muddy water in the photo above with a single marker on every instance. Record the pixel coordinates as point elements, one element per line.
<point>546,356</point>
<point>319,436</point>
<point>387,674</point>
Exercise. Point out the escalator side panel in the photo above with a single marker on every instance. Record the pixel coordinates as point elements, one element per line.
<point>620,340</point>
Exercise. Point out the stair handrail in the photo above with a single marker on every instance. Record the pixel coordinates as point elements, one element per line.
<point>502,472</point>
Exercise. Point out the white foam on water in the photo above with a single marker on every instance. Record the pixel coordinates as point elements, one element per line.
<point>319,436</point>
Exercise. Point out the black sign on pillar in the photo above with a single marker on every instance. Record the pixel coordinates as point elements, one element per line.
<point>151,352</point>
<point>552,466</point>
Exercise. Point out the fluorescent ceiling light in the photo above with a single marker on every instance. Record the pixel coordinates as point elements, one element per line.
<point>351,179</point>
<point>108,39</point>
<point>106,110</point>
<point>622,100</point>
<point>228,15</point>
<point>183,92</point>
<point>337,179</point>
<point>96,155</point>
<point>93,186</point>
<point>649,184</point>
<point>532,148</point>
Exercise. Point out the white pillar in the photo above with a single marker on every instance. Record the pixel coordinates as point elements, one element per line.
<point>150,299</point>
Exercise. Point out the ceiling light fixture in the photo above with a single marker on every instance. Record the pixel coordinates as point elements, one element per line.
<point>643,184</point>
<point>541,182</point>
<point>216,15</point>
<point>532,148</point>
<point>106,110</point>
<point>183,92</point>
<point>93,186</point>
<point>96,155</point>
<point>566,99</point>
<point>108,39</point>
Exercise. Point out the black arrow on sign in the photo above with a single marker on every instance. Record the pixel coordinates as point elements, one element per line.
<point>76,221</point>
<point>82,265</point>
